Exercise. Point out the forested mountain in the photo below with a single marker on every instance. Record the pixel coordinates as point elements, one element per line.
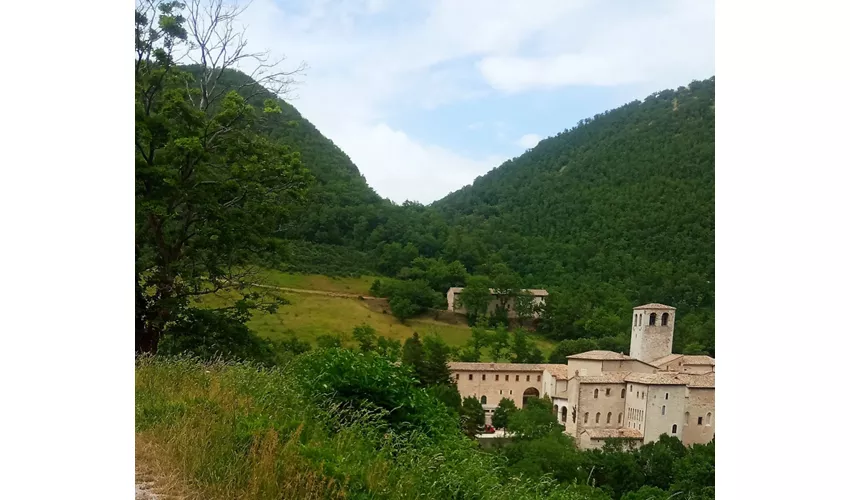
<point>616,211</point>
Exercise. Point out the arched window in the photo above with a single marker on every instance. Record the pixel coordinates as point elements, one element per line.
<point>620,418</point>
<point>623,393</point>
<point>595,393</point>
<point>484,400</point>
<point>663,410</point>
<point>563,414</point>
<point>674,428</point>
<point>585,417</point>
<point>664,318</point>
<point>708,419</point>
<point>652,319</point>
<point>640,319</point>
<point>635,323</point>
<point>687,417</point>
<point>597,417</point>
<point>555,409</point>
<point>608,420</point>
<point>666,395</point>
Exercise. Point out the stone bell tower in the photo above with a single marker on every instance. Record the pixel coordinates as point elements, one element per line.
<point>652,332</point>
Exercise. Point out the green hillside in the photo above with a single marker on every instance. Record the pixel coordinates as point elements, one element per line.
<point>614,212</point>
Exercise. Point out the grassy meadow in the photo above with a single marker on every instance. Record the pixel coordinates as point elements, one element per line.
<point>308,316</point>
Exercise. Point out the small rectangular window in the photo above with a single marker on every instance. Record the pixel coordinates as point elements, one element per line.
<point>470,376</point>
<point>607,392</point>
<point>663,410</point>
<point>483,376</point>
<point>666,395</point>
<point>528,378</point>
<point>457,376</point>
<point>517,378</point>
<point>631,387</point>
<point>699,420</point>
<point>497,377</point>
<point>538,378</point>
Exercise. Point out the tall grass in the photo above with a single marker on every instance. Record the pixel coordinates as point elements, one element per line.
<point>234,430</point>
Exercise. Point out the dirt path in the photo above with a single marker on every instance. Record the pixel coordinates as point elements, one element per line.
<point>315,292</point>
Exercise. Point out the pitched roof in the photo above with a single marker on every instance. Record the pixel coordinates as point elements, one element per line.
<point>497,367</point>
<point>561,372</point>
<point>614,433</point>
<point>666,359</point>
<point>660,378</point>
<point>698,360</point>
<point>699,380</point>
<point>600,355</point>
<point>654,305</point>
<point>605,378</point>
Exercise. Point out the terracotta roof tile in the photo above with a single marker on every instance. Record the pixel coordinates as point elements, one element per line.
<point>697,360</point>
<point>699,381</point>
<point>666,359</point>
<point>614,433</point>
<point>605,378</point>
<point>654,305</point>
<point>600,356</point>
<point>660,378</point>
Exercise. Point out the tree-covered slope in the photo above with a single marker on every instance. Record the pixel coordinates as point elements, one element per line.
<point>622,202</point>
<point>340,196</point>
<point>614,212</point>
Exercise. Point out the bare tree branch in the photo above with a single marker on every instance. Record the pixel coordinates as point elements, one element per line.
<point>218,45</point>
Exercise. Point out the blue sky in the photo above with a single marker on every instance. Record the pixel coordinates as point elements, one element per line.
<point>424,96</point>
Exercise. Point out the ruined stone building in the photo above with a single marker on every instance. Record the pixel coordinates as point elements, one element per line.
<point>538,299</point>
<point>604,394</point>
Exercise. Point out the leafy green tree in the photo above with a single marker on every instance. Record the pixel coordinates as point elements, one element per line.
<point>524,305</point>
<point>555,454</point>
<point>436,368</point>
<point>569,347</point>
<point>478,340</point>
<point>536,419</point>
<point>503,412</point>
<point>646,493</point>
<point>523,349</point>
<point>475,297</point>
<point>210,188</point>
<point>209,334</point>
<point>472,416</point>
<point>449,395</point>
<point>366,336</point>
<point>413,355</point>
<point>388,348</point>
<point>500,344</point>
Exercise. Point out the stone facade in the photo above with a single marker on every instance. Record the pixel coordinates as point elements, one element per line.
<point>652,332</point>
<point>538,300</point>
<point>672,394</point>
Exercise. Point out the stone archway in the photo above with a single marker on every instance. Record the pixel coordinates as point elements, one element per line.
<point>531,392</point>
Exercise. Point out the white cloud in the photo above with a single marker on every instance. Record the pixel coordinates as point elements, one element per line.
<point>528,141</point>
<point>365,73</point>
<point>408,169</point>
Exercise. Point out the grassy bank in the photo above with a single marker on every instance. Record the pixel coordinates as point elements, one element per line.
<point>231,430</point>
<point>307,316</point>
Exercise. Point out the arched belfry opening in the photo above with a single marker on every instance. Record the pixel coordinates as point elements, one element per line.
<point>652,319</point>
<point>664,318</point>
